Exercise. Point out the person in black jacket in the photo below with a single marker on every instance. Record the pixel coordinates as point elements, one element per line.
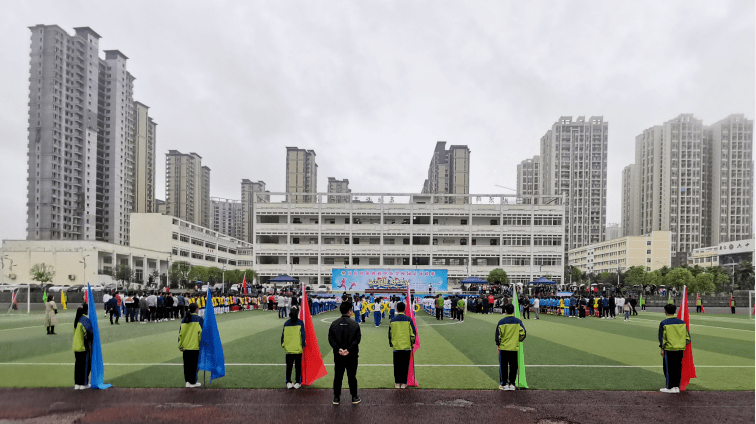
<point>344,337</point>
<point>612,306</point>
<point>111,306</point>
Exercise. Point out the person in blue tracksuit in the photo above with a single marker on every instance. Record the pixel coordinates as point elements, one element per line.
<point>573,305</point>
<point>377,314</point>
<point>358,310</point>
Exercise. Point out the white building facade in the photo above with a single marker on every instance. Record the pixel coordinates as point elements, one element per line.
<point>468,237</point>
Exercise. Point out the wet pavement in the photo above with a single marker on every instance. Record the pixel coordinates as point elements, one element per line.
<point>378,406</point>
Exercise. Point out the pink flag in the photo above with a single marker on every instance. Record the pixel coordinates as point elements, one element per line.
<point>411,380</point>
<point>688,368</point>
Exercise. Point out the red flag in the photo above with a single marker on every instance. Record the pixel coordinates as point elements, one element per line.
<point>688,368</point>
<point>15,303</point>
<point>244,284</point>
<point>410,308</point>
<point>312,362</point>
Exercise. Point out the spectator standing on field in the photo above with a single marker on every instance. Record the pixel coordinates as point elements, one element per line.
<point>509,333</point>
<point>51,310</point>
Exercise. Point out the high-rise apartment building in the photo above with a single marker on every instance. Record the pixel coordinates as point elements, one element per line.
<point>81,161</point>
<point>448,173</point>
<point>338,186</point>
<point>528,178</point>
<point>573,163</point>
<point>227,217</point>
<point>249,189</point>
<point>187,188</point>
<point>301,174</point>
<point>730,142</point>
<point>144,154</point>
<point>694,181</point>
<point>670,159</point>
<point>630,201</point>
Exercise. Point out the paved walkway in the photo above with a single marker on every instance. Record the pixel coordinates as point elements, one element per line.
<point>378,406</point>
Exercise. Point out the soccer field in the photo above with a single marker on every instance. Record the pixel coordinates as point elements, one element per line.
<point>560,353</point>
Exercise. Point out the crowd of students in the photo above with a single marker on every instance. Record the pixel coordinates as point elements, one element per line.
<point>605,307</point>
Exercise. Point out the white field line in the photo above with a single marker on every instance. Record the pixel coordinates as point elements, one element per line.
<point>696,325</point>
<point>377,365</point>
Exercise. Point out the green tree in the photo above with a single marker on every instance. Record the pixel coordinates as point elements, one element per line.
<point>198,273</point>
<point>678,277</point>
<point>42,273</point>
<point>695,270</point>
<point>214,274</point>
<point>664,270</point>
<point>704,283</point>
<point>179,272</point>
<point>720,281</point>
<point>123,274</point>
<point>499,275</point>
<point>635,275</point>
<point>606,277</point>
<point>576,273</point>
<point>744,275</point>
<point>234,276</point>
<point>652,278</point>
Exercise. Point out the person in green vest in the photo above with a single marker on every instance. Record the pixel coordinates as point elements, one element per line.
<point>189,339</point>
<point>461,309</point>
<point>673,338</point>
<point>643,303</point>
<point>439,307</point>
<point>509,333</point>
<point>699,304</point>
<point>82,348</point>
<point>402,334</point>
<point>293,342</point>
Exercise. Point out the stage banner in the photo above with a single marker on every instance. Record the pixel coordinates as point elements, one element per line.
<point>395,279</point>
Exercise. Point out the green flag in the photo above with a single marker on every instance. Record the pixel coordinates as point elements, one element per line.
<point>44,296</point>
<point>521,381</point>
<point>640,301</point>
<point>670,300</point>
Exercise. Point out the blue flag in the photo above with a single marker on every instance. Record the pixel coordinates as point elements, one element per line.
<point>98,368</point>
<point>211,350</point>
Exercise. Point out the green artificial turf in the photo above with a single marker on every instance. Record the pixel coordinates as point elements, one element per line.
<point>560,353</point>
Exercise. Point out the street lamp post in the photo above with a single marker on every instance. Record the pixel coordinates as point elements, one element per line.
<point>168,273</point>
<point>84,261</point>
<point>223,277</point>
<point>732,273</point>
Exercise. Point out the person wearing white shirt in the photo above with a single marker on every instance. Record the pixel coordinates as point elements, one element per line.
<point>105,298</point>
<point>537,306</point>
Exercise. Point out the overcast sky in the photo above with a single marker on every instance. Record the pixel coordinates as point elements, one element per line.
<point>372,85</point>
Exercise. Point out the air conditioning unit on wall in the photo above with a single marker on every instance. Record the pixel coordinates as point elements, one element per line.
<point>12,276</point>
<point>71,277</point>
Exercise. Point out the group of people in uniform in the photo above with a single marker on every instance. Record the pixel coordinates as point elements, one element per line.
<point>603,306</point>
<point>344,337</point>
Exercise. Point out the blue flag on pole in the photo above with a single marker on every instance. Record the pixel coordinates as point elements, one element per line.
<point>211,350</point>
<point>98,368</point>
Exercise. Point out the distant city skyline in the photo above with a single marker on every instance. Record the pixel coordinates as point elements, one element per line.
<point>372,87</point>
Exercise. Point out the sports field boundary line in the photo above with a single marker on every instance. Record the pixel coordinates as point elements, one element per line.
<point>374,365</point>
<point>700,325</point>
